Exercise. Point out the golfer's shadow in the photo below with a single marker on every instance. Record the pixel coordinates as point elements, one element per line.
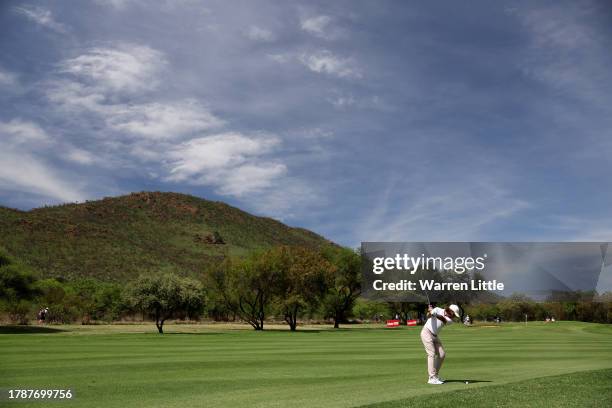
<point>468,380</point>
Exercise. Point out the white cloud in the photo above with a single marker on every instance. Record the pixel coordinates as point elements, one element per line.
<point>325,62</point>
<point>27,138</point>
<point>101,73</point>
<point>42,17</point>
<point>18,132</point>
<point>232,162</point>
<point>316,25</point>
<point>171,143</point>
<point>75,97</point>
<point>289,198</point>
<point>26,173</point>
<point>23,170</point>
<point>79,156</point>
<point>250,178</point>
<point>162,120</point>
<point>217,151</point>
<point>127,68</point>
<point>259,34</point>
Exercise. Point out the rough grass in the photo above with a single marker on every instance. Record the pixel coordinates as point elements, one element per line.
<point>219,366</point>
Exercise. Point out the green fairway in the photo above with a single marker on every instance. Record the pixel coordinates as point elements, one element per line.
<point>581,389</point>
<point>218,366</point>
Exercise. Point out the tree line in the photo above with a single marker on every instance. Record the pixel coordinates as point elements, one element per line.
<point>282,283</point>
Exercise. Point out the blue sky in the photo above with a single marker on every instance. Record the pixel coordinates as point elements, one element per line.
<point>360,120</point>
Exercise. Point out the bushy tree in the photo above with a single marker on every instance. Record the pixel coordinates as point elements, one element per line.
<point>370,310</point>
<point>17,288</point>
<point>63,307</point>
<point>304,279</point>
<point>345,284</point>
<point>166,296</point>
<point>248,286</point>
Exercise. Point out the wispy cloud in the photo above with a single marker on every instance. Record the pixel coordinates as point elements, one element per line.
<point>581,228</point>
<point>281,58</point>
<point>232,162</point>
<point>116,4</point>
<point>23,163</point>
<point>103,81</point>
<point>123,68</point>
<point>42,17</point>
<point>433,213</point>
<point>256,33</point>
<point>80,156</point>
<point>343,101</point>
<point>316,25</point>
<point>566,53</point>
<point>7,78</point>
<point>279,107</point>
<point>17,132</point>
<point>121,5</point>
<point>325,62</point>
<point>130,71</point>
<point>26,173</point>
<point>162,120</point>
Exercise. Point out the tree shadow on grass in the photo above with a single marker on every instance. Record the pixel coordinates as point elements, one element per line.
<point>29,329</point>
<point>468,380</point>
<point>191,333</point>
<point>288,331</point>
<point>244,330</point>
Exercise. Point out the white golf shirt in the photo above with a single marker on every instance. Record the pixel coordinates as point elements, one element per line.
<point>434,324</point>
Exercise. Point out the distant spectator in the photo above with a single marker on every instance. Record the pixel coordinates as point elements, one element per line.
<point>42,315</point>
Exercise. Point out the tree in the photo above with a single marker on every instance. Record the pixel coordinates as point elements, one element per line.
<point>166,296</point>
<point>345,284</point>
<point>367,310</point>
<point>16,280</point>
<point>304,275</point>
<point>95,300</point>
<point>248,286</point>
<point>17,288</point>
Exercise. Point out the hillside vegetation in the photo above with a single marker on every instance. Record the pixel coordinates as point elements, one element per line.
<point>117,238</point>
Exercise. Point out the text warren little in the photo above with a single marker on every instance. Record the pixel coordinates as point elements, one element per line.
<point>432,285</point>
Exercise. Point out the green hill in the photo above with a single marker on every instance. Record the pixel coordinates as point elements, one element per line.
<point>117,238</point>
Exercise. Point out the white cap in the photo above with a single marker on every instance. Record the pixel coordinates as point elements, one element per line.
<point>455,309</point>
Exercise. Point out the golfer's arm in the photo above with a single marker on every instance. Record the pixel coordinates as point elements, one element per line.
<point>442,319</point>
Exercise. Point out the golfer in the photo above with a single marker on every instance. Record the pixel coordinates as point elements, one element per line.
<point>438,318</point>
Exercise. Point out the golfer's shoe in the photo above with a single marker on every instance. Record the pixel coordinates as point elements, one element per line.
<point>435,381</point>
<point>441,379</point>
